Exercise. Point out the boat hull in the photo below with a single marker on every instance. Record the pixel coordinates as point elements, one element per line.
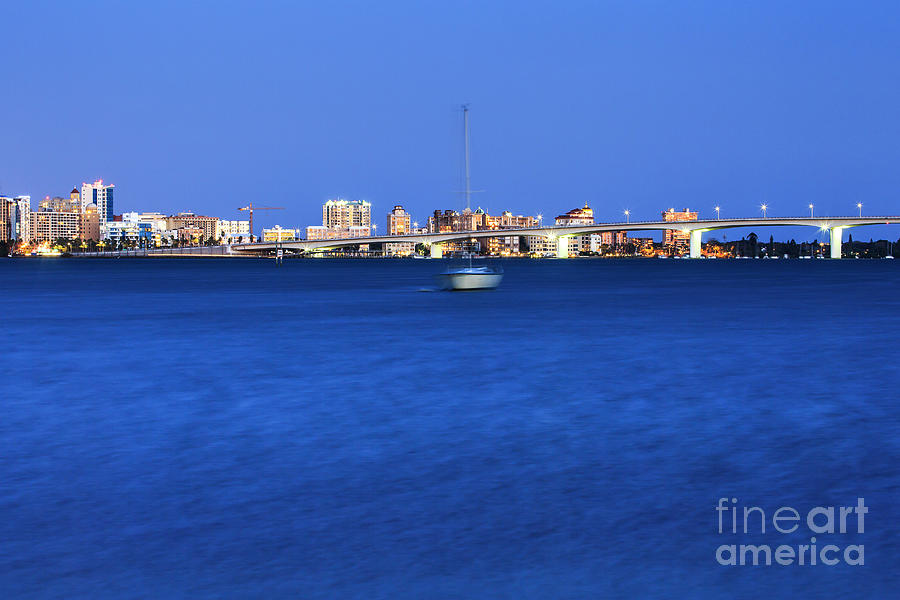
<point>470,281</point>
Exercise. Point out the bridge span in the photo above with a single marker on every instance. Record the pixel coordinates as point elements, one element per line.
<point>560,233</point>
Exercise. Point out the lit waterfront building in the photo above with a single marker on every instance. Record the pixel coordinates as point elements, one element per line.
<point>48,226</point>
<point>90,223</point>
<point>609,239</point>
<point>130,229</point>
<point>399,222</point>
<point>674,240</point>
<point>343,214</point>
<point>479,220</point>
<point>101,195</point>
<point>578,216</point>
<point>321,232</point>
<point>509,244</point>
<point>342,219</point>
<point>15,218</point>
<point>59,204</point>
<point>208,226</point>
<point>231,232</point>
<point>8,218</point>
<point>23,218</point>
<point>278,234</point>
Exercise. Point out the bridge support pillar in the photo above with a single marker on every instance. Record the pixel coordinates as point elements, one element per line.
<point>837,240</point>
<point>562,247</point>
<point>696,238</point>
<point>437,251</point>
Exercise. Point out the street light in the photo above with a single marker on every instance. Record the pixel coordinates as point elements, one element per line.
<point>764,208</point>
<point>540,219</point>
<point>810,210</point>
<point>718,208</point>
<point>859,206</point>
<point>627,216</point>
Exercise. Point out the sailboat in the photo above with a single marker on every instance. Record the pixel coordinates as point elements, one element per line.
<point>469,277</point>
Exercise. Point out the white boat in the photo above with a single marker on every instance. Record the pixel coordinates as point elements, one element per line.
<point>471,278</point>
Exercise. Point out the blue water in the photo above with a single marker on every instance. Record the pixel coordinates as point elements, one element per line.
<point>337,429</point>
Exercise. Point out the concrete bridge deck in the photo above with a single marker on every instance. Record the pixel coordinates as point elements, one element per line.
<point>834,225</point>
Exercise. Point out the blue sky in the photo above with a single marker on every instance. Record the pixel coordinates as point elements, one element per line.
<point>638,105</point>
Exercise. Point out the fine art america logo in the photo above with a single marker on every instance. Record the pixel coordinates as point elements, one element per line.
<point>819,521</point>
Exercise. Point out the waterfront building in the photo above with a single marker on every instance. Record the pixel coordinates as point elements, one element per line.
<point>510,244</point>
<point>8,210</point>
<point>90,223</point>
<point>399,222</point>
<point>451,221</point>
<point>130,229</point>
<point>479,220</point>
<point>189,234</point>
<point>321,232</point>
<point>231,232</point>
<point>101,195</point>
<point>59,204</point>
<point>208,226</point>
<point>15,218</point>
<point>577,216</point>
<point>343,214</point>
<point>277,234</point>
<point>48,226</point>
<point>673,239</point>
<point>612,240</point>
<point>342,219</point>
<point>23,218</point>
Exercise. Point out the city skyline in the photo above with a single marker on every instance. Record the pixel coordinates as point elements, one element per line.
<point>596,104</point>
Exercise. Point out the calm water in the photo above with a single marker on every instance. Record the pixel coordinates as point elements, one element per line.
<point>227,428</point>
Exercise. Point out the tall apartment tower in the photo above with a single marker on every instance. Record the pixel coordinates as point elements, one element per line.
<point>398,221</point>
<point>15,215</point>
<point>23,218</point>
<point>344,214</point>
<point>101,195</point>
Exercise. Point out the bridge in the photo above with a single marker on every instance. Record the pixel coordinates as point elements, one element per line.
<point>560,233</point>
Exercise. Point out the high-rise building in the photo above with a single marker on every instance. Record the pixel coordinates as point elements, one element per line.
<point>399,222</point>
<point>673,239</point>
<point>90,223</point>
<point>7,219</point>
<point>101,195</point>
<point>15,218</point>
<point>23,218</point>
<point>49,226</point>
<point>344,214</point>
<point>342,219</point>
<point>57,204</point>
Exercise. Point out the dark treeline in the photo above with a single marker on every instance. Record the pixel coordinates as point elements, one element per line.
<point>752,246</point>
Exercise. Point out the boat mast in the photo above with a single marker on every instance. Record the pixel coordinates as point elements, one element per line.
<point>465,108</point>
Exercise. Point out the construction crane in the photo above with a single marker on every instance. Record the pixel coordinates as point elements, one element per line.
<point>251,208</point>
